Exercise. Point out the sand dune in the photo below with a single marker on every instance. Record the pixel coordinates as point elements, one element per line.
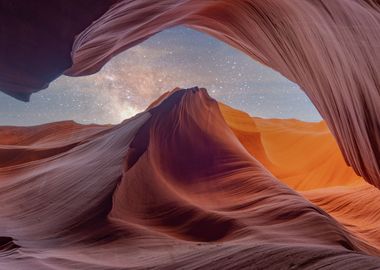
<point>182,186</point>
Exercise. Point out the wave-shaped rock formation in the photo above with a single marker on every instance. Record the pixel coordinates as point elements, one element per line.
<point>328,47</point>
<point>187,184</point>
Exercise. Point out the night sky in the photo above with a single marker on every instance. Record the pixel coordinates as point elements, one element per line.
<point>176,57</point>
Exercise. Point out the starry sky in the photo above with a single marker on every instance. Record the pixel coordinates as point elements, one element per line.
<point>176,57</point>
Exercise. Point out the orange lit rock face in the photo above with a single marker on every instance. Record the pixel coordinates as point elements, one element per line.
<point>303,155</point>
<point>189,183</point>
